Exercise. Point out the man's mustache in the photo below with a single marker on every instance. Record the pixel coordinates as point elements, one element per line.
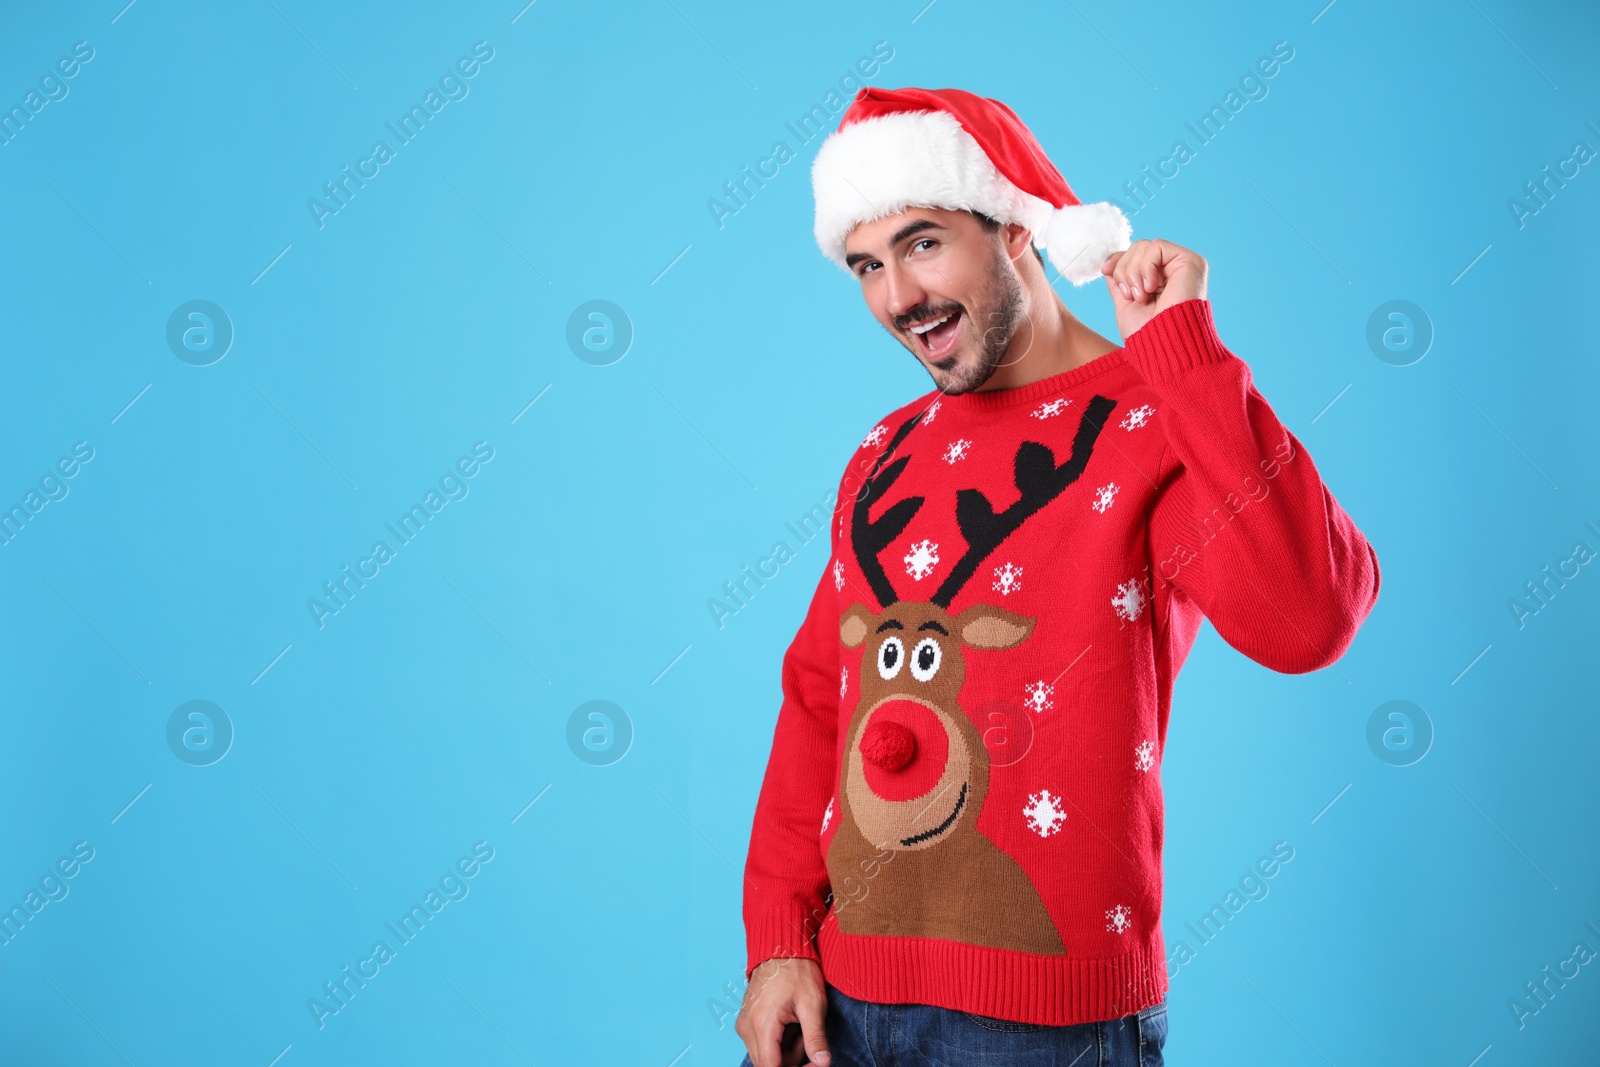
<point>905,322</point>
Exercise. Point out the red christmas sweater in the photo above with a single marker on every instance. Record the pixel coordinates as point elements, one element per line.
<point>963,802</point>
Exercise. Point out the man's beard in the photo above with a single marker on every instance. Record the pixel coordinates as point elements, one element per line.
<point>1002,308</point>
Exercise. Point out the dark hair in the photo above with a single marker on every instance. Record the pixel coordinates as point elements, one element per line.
<point>991,225</point>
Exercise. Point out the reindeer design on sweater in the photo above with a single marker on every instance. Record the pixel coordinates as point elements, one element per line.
<point>916,770</point>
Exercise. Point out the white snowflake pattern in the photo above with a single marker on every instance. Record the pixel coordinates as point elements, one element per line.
<point>1049,408</point>
<point>875,436</point>
<point>1121,919</point>
<point>1104,495</point>
<point>844,681</point>
<point>1137,417</point>
<point>933,410</point>
<point>827,816</point>
<point>920,561</point>
<point>1044,813</point>
<point>838,574</point>
<point>1144,755</point>
<point>1129,601</point>
<point>1007,579</point>
<point>1039,694</point>
<point>957,450</point>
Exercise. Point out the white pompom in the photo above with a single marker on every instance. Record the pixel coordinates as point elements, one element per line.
<point>1078,239</point>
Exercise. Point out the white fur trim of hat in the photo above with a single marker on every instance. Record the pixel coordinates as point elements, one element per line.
<point>883,165</point>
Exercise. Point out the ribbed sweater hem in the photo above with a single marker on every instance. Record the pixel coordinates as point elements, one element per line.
<point>1051,990</point>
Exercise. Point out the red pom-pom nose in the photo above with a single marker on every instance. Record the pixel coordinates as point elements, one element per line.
<point>904,749</point>
<point>888,744</point>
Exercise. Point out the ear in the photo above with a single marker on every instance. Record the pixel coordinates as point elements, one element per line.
<point>984,626</point>
<point>855,625</point>
<point>1018,241</point>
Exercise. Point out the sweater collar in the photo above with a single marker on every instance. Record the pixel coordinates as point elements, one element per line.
<point>991,400</point>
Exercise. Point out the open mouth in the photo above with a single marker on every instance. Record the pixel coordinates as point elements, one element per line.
<point>942,827</point>
<point>938,336</point>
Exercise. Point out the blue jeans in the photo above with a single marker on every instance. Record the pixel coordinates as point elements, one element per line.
<point>864,1034</point>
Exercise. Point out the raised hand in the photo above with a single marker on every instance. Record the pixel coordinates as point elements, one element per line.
<point>1150,277</point>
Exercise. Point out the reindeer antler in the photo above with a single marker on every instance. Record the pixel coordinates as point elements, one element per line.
<point>869,537</point>
<point>1039,481</point>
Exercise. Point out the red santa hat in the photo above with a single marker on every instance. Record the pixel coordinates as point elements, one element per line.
<point>947,148</point>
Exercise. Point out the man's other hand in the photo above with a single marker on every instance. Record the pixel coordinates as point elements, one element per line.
<point>782,1014</point>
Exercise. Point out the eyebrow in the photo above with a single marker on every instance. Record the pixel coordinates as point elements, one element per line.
<point>931,625</point>
<point>900,235</point>
<point>890,625</point>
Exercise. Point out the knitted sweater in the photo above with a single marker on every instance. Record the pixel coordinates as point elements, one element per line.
<point>963,802</point>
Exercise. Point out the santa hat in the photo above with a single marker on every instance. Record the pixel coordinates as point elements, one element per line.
<point>947,148</point>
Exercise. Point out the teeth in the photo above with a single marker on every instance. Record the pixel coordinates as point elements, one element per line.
<point>926,326</point>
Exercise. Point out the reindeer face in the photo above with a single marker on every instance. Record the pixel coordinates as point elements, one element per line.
<point>916,766</point>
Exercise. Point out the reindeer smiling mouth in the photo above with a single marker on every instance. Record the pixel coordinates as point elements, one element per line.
<point>928,835</point>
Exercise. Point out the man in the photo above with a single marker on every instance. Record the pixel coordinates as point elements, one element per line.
<point>956,852</point>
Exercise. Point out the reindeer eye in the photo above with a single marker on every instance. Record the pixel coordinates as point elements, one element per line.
<point>925,659</point>
<point>890,653</point>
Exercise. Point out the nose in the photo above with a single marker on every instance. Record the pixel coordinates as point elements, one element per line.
<point>903,291</point>
<point>904,749</point>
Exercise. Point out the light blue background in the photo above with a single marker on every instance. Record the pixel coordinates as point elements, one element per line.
<point>430,311</point>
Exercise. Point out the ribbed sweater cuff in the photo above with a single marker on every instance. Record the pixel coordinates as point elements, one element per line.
<point>776,936</point>
<point>1177,339</point>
